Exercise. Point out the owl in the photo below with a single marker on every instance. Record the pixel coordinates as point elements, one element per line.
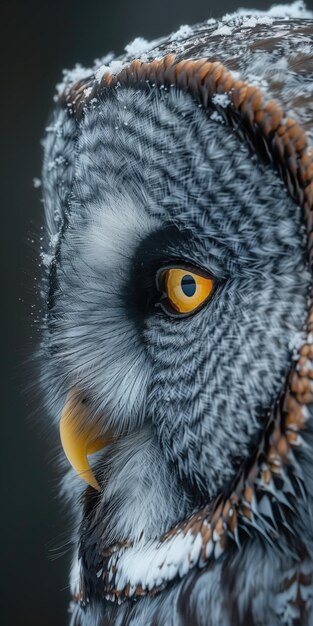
<point>177,345</point>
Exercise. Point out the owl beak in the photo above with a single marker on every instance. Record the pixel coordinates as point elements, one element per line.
<point>80,437</point>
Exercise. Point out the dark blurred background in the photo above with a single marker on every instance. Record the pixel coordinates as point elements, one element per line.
<point>39,38</point>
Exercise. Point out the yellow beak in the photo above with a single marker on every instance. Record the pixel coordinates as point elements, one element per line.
<point>79,437</point>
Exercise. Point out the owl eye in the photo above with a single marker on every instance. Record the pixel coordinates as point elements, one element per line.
<point>184,291</point>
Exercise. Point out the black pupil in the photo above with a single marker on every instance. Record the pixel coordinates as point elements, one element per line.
<point>188,285</point>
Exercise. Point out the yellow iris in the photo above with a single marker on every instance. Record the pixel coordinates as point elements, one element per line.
<point>185,290</point>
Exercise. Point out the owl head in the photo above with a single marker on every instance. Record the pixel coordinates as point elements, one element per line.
<point>179,286</point>
<point>178,203</point>
<point>177,344</point>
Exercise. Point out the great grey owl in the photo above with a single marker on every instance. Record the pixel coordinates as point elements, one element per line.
<point>177,350</point>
